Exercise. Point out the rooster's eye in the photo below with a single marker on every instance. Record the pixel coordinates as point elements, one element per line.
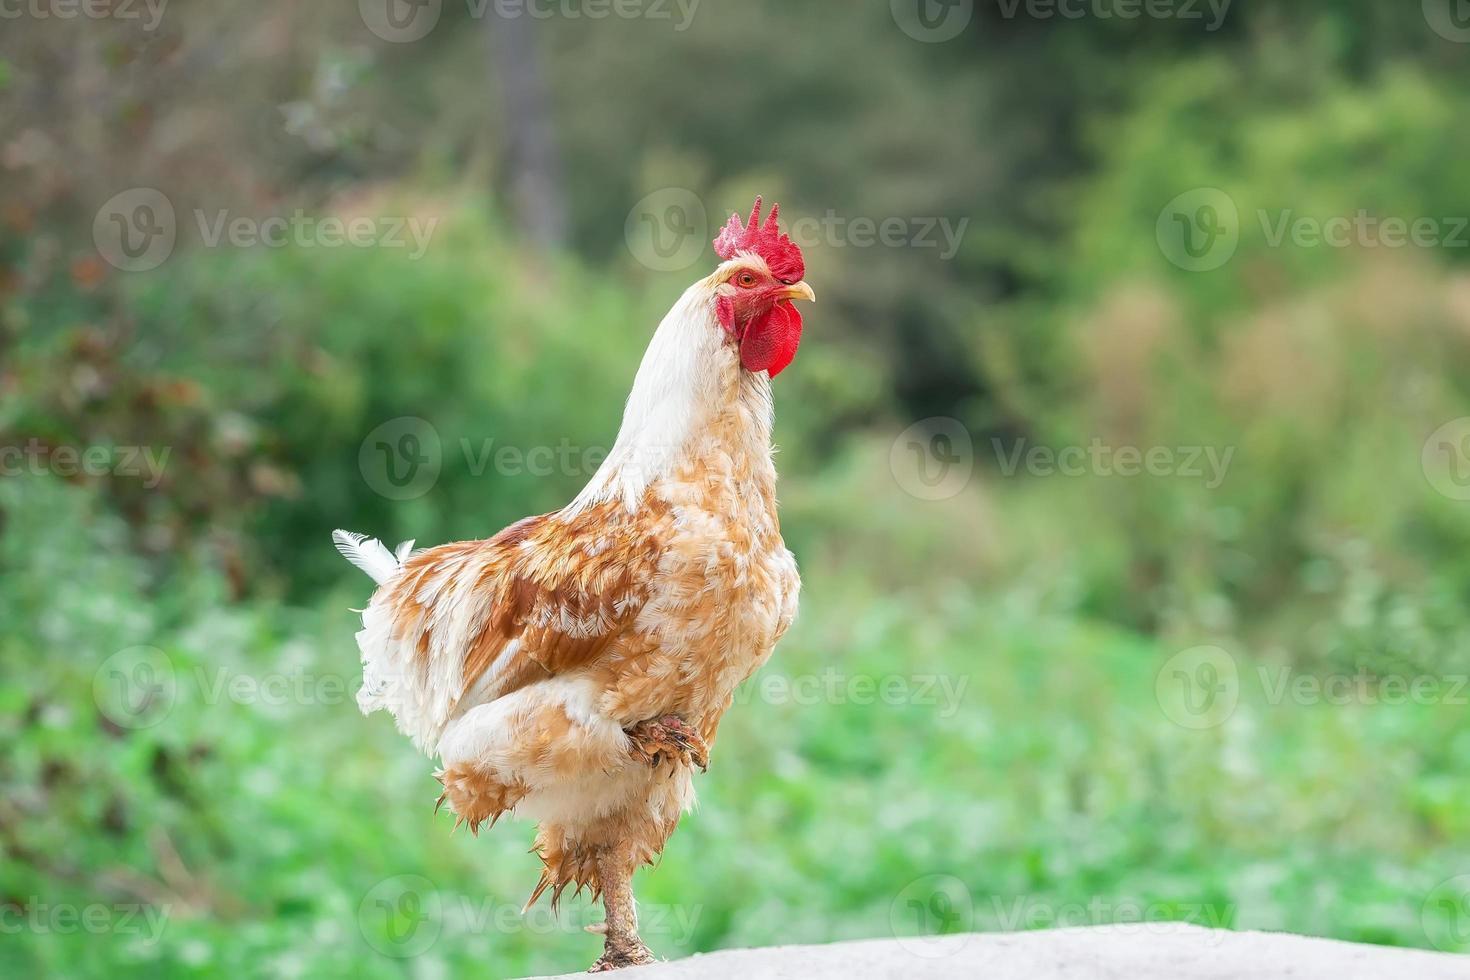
<point>746,279</point>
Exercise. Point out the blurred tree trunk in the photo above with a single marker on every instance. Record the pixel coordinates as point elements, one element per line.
<point>532,158</point>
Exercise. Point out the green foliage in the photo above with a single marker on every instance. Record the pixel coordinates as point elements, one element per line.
<point>895,737</point>
<point>1319,370</point>
<point>473,339</point>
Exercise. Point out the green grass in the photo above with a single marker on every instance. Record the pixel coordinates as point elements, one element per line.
<point>909,762</point>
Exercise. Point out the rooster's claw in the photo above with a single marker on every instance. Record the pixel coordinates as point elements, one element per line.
<point>668,737</point>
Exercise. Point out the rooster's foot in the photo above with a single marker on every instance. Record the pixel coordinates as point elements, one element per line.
<point>616,955</point>
<point>668,738</point>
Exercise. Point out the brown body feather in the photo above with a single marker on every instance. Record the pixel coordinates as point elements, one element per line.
<point>527,654</point>
<point>573,669</point>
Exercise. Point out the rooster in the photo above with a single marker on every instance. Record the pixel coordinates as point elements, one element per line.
<point>573,669</point>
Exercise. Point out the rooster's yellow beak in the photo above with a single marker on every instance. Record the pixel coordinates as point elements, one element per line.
<point>798,290</point>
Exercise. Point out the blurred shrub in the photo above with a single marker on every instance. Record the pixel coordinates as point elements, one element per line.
<point>1321,371</point>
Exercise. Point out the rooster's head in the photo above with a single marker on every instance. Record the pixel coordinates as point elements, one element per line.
<point>759,276</point>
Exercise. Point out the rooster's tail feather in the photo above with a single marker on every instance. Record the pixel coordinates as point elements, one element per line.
<point>371,555</point>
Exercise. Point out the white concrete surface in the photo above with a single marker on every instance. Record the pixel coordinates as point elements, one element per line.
<point>1156,951</point>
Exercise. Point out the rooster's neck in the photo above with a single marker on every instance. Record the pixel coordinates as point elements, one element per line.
<point>690,397</point>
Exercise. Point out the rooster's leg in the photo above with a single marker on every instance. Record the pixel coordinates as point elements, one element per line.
<point>622,946</point>
<point>477,795</point>
<point>666,739</point>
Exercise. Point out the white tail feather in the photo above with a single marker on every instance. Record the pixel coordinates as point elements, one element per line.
<point>370,554</point>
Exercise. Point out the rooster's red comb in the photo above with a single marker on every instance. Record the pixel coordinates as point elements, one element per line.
<point>765,240</point>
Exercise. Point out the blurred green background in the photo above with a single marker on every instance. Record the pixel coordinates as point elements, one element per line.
<point>1132,515</point>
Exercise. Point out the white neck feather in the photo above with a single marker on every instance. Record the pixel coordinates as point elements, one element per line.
<point>689,374</point>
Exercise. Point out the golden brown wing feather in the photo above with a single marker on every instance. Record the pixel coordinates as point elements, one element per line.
<point>546,595</point>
